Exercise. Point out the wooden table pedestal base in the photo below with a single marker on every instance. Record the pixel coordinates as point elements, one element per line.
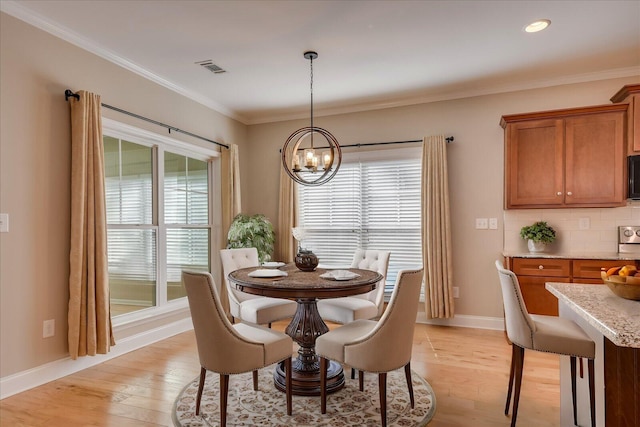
<point>308,383</point>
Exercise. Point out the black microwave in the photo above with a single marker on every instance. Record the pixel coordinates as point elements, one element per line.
<point>634,177</point>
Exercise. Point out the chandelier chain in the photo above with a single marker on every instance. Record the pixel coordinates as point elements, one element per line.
<point>311,89</point>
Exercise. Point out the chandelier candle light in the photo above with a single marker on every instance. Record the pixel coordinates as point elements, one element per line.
<point>306,171</point>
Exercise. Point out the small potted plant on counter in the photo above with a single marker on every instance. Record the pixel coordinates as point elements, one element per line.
<point>538,236</point>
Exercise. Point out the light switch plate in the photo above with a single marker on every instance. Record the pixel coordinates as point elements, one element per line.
<point>4,223</point>
<point>493,223</point>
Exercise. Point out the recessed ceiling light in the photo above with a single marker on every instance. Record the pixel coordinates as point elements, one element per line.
<point>538,25</point>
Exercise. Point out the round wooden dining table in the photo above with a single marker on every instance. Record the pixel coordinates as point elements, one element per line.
<point>306,325</point>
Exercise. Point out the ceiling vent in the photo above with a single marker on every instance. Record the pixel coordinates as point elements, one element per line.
<point>209,65</point>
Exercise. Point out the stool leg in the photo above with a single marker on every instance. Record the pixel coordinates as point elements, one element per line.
<point>513,361</point>
<point>519,365</point>
<point>592,391</point>
<point>573,390</point>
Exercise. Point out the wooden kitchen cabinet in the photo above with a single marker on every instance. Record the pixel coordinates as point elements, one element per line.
<point>566,158</point>
<point>533,273</point>
<point>588,270</point>
<point>630,95</point>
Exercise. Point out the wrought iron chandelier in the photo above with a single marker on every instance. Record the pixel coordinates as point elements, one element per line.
<point>299,156</point>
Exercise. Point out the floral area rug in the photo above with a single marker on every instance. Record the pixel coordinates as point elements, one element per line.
<point>267,406</point>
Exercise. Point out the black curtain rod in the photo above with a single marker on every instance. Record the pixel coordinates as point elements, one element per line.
<point>68,93</point>
<point>448,139</point>
<point>366,144</point>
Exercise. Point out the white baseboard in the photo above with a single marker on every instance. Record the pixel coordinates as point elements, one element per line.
<point>43,374</point>
<point>465,321</point>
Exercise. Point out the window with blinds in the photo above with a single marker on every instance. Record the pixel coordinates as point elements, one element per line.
<point>158,222</point>
<point>186,215</point>
<point>373,202</point>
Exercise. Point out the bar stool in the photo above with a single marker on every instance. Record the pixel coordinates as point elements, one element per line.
<point>541,333</point>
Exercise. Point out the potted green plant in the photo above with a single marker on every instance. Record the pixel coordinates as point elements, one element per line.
<point>254,231</point>
<point>538,236</point>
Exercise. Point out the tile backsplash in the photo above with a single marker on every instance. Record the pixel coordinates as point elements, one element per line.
<point>577,230</point>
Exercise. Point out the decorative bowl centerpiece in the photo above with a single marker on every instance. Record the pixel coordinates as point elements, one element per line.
<point>305,259</point>
<point>623,281</point>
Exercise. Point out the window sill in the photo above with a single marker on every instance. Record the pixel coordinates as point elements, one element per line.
<point>149,315</point>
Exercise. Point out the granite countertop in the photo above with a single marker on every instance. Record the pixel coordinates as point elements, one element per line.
<point>572,255</point>
<point>616,318</point>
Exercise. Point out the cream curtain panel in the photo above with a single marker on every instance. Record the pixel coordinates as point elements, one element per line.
<point>286,247</point>
<point>89,316</point>
<point>436,229</point>
<point>231,200</point>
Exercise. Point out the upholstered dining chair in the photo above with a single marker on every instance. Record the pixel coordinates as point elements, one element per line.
<point>246,307</point>
<point>550,334</point>
<point>231,349</point>
<point>376,346</point>
<point>366,306</point>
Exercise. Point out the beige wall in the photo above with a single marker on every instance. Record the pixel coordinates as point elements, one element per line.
<point>35,70</point>
<point>475,167</point>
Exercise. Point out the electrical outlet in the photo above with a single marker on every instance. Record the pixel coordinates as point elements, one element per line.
<point>4,223</point>
<point>493,223</point>
<point>456,292</point>
<point>48,328</point>
<point>482,223</point>
<point>584,223</point>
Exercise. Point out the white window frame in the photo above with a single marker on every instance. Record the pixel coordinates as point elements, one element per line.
<point>160,144</point>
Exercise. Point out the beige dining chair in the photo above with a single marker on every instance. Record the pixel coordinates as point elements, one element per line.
<point>231,349</point>
<point>376,346</point>
<point>366,306</point>
<point>246,307</point>
<point>550,334</point>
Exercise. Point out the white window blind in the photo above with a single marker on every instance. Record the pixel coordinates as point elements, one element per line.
<point>373,202</point>
<point>186,212</point>
<point>131,235</point>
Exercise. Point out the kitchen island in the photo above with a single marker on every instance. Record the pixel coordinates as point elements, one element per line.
<point>614,325</point>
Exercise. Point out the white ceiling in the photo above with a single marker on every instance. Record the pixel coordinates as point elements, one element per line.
<point>372,54</point>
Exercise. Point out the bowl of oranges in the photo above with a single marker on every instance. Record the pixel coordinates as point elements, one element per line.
<point>623,281</point>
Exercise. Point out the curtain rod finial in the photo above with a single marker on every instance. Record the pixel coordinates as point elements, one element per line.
<point>68,93</point>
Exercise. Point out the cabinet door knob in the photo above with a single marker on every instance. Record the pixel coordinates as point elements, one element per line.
<point>569,193</point>
<point>559,193</point>
<point>541,267</point>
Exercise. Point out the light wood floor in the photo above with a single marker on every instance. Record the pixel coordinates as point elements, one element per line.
<point>467,368</point>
